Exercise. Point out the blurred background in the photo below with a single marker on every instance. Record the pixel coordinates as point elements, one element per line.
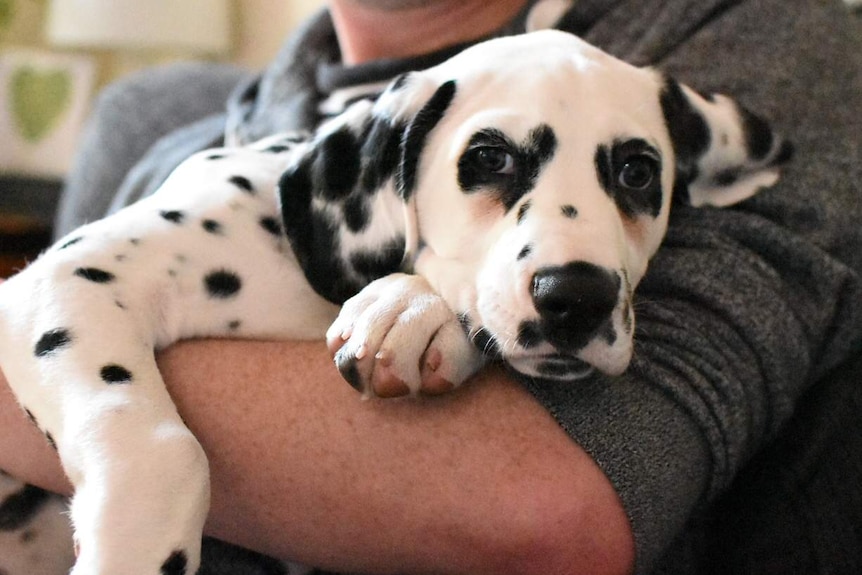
<point>255,29</point>
<point>56,54</point>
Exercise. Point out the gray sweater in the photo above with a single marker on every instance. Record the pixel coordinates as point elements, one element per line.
<point>742,312</point>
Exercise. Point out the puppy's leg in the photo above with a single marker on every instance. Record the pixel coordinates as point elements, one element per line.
<point>81,363</point>
<point>398,336</point>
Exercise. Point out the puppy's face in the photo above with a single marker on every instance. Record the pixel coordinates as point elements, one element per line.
<point>545,187</point>
<point>537,172</point>
<point>542,193</point>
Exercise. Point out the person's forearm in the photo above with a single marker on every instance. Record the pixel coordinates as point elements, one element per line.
<point>480,481</point>
<point>24,451</point>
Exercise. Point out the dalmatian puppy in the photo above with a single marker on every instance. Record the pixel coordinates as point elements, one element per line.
<point>502,205</point>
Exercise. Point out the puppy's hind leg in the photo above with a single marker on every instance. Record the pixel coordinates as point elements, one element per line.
<point>82,364</point>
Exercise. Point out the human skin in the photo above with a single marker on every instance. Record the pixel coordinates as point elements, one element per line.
<point>413,27</point>
<point>481,480</point>
<point>478,481</point>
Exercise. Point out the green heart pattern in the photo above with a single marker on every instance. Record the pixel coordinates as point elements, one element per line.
<point>7,11</point>
<point>39,99</point>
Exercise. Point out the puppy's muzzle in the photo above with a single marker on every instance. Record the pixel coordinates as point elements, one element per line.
<point>574,301</point>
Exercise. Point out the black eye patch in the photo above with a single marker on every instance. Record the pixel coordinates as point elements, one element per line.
<point>630,172</point>
<point>492,162</point>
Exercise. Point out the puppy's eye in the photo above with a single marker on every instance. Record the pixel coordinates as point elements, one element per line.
<point>494,160</point>
<point>638,172</point>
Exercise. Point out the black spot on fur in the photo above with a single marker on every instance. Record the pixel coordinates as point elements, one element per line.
<point>215,156</point>
<point>173,216</point>
<point>212,226</point>
<point>604,170</point>
<point>295,190</point>
<point>759,138</point>
<point>569,211</point>
<point>20,507</point>
<point>71,242</point>
<point>541,144</point>
<point>113,373</point>
<point>417,133</point>
<point>313,236</point>
<point>242,183</point>
<point>336,165</point>
<point>135,241</point>
<point>222,284</point>
<point>175,564</point>
<point>276,149</point>
<point>522,211</point>
<point>95,275</point>
<point>529,334</point>
<point>51,341</point>
<point>382,150</point>
<point>525,252</point>
<point>527,158</point>
<point>374,264</point>
<point>726,177</point>
<point>271,225</point>
<point>357,213</point>
<point>689,133</point>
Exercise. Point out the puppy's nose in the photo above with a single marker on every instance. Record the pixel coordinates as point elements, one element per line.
<point>573,301</point>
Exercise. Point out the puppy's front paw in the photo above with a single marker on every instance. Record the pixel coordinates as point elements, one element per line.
<point>399,337</point>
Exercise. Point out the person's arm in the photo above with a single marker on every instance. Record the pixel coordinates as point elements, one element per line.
<point>479,481</point>
<point>743,309</point>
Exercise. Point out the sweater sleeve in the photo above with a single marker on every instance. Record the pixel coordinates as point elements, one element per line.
<point>742,309</point>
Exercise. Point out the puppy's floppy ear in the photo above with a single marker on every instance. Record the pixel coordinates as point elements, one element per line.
<point>346,198</point>
<point>724,153</point>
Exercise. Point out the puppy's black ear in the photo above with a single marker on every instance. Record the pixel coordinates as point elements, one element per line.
<point>345,198</point>
<point>724,153</point>
<point>416,135</point>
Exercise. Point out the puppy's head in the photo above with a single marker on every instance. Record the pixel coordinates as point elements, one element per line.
<point>534,176</point>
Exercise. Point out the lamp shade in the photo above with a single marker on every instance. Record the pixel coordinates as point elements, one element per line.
<point>200,26</point>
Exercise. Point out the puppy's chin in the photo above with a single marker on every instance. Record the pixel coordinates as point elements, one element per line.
<point>554,367</point>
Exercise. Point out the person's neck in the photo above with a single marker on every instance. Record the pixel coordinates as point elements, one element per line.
<point>368,33</point>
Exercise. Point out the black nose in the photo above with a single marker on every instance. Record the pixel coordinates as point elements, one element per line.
<point>573,301</point>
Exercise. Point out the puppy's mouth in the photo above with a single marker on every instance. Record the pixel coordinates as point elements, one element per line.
<point>556,366</point>
<point>547,363</point>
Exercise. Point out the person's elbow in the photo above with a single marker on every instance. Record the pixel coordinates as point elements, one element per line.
<point>542,535</point>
